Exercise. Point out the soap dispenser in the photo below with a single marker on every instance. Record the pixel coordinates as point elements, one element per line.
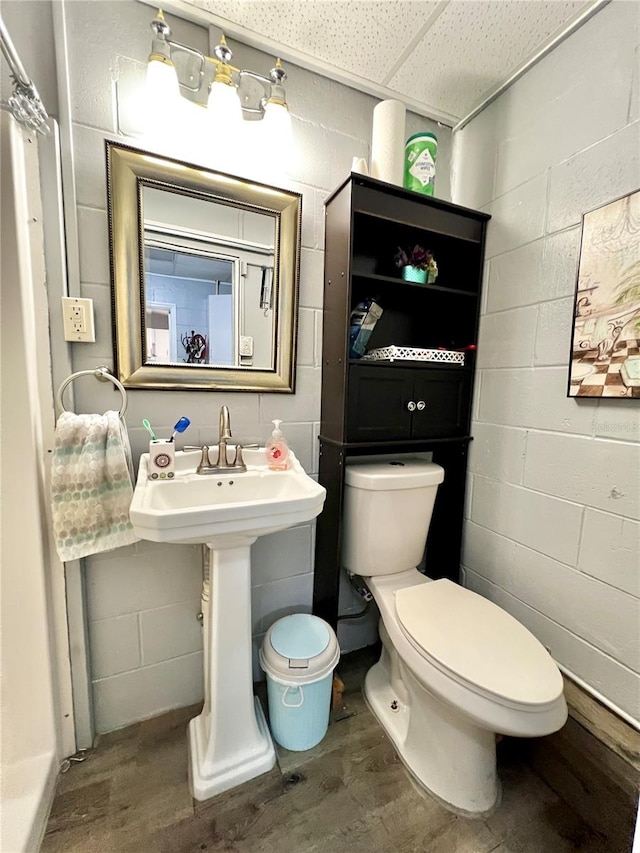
<point>277,451</point>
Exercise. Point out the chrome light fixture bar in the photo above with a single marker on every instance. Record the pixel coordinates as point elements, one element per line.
<point>215,76</point>
<point>24,103</point>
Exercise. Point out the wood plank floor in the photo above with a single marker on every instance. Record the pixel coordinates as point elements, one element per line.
<point>350,793</point>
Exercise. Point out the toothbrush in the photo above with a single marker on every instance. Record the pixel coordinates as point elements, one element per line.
<point>181,426</point>
<point>147,426</point>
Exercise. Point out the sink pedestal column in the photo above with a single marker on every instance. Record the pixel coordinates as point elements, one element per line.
<point>229,742</point>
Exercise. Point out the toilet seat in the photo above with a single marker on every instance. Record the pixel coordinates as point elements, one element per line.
<point>476,643</point>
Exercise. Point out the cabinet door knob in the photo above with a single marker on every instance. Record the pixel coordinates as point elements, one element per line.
<point>421,405</point>
<point>411,406</point>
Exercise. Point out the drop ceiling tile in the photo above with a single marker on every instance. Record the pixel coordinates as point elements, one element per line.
<point>447,55</point>
<point>363,37</point>
<point>474,46</point>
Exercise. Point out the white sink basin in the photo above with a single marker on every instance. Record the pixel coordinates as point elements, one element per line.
<point>222,509</point>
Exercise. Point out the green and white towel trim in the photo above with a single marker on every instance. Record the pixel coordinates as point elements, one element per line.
<point>91,488</point>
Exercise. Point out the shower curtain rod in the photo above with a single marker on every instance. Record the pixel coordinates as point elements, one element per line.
<point>24,104</point>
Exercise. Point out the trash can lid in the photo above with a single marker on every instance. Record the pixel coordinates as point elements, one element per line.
<point>300,636</point>
<point>299,648</point>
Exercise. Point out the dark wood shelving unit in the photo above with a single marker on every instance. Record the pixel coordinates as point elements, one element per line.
<point>365,404</point>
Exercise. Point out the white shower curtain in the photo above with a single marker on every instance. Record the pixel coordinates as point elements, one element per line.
<point>29,752</point>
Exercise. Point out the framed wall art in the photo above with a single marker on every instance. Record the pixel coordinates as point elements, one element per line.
<point>605,348</point>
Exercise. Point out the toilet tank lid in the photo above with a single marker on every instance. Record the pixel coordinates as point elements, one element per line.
<point>407,472</point>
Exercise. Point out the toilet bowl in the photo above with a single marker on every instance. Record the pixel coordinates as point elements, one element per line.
<point>455,668</point>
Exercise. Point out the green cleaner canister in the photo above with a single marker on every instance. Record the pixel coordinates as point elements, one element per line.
<point>420,162</point>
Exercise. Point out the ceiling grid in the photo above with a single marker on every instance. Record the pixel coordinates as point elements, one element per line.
<point>443,58</point>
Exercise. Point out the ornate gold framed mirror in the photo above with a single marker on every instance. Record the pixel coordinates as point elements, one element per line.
<point>204,273</point>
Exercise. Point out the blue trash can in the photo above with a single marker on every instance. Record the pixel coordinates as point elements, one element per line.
<point>298,655</point>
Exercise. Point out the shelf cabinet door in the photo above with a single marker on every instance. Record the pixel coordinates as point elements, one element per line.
<point>442,402</point>
<point>399,403</point>
<point>377,403</point>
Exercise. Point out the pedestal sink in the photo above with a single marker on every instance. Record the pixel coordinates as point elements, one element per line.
<point>229,742</point>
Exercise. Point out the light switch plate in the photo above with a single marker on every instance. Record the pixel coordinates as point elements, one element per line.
<point>246,345</point>
<point>78,320</point>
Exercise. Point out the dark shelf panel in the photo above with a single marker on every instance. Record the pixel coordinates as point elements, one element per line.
<point>414,365</point>
<point>386,202</point>
<point>390,218</point>
<point>412,444</point>
<point>387,279</point>
<point>393,190</point>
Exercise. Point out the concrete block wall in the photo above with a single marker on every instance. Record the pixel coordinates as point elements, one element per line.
<point>552,532</point>
<point>143,600</point>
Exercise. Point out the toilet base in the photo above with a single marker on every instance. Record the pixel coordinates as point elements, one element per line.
<point>445,753</point>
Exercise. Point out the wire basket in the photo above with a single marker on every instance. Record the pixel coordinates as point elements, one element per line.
<point>394,353</point>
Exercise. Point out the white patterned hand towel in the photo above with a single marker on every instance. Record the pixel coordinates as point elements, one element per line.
<point>91,487</point>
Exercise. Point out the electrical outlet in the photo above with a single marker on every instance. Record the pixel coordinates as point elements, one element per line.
<point>78,321</point>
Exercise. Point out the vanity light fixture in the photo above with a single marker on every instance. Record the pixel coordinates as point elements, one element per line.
<point>224,83</point>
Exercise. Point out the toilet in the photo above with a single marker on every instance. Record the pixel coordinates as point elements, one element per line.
<point>455,669</point>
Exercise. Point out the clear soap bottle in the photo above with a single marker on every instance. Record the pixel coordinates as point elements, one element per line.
<point>277,450</point>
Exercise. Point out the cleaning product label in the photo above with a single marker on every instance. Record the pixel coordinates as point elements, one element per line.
<point>420,163</point>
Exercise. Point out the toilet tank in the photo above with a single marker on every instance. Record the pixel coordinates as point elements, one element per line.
<point>387,512</point>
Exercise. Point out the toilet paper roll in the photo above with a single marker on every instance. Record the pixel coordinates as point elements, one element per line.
<point>387,142</point>
<point>359,165</point>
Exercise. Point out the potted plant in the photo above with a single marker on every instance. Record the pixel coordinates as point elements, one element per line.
<point>417,265</point>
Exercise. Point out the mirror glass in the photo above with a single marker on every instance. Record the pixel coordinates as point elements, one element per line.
<point>208,282</point>
<point>204,275</point>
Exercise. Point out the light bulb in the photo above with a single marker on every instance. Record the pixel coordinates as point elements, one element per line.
<point>163,104</point>
<point>224,105</point>
<point>277,122</point>
<point>225,120</point>
<point>277,135</point>
<point>162,82</point>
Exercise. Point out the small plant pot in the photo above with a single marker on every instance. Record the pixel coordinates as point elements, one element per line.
<point>415,274</point>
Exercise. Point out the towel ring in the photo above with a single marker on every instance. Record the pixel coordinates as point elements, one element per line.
<point>102,373</point>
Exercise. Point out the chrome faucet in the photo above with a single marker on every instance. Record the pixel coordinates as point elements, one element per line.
<point>222,464</point>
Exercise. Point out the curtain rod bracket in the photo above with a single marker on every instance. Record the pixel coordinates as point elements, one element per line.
<point>25,103</point>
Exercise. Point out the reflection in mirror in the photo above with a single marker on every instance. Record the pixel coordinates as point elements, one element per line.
<point>208,292</point>
<point>216,259</point>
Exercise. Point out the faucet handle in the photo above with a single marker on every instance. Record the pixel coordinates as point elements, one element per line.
<point>205,462</point>
<point>238,461</point>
